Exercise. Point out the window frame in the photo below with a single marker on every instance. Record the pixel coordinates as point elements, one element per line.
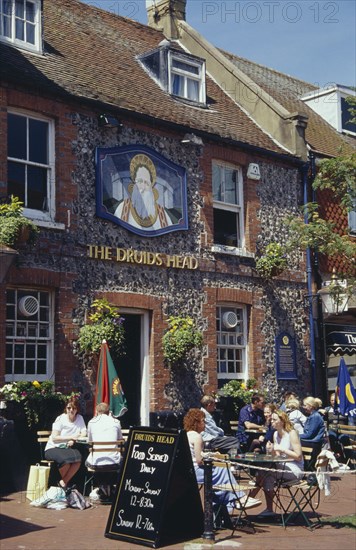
<point>226,376</point>
<point>47,216</point>
<point>49,375</point>
<point>200,78</point>
<point>12,40</point>
<point>351,218</point>
<point>238,209</point>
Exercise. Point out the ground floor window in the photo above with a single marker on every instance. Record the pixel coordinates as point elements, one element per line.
<point>29,335</point>
<point>231,334</point>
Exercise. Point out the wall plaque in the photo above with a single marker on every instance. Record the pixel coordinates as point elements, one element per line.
<point>286,365</point>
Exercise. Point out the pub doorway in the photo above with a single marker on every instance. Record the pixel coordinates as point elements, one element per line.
<point>132,368</point>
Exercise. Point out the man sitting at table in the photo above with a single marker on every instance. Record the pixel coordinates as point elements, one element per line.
<point>104,427</point>
<point>251,417</point>
<point>213,436</point>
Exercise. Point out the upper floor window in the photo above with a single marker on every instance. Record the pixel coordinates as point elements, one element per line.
<point>30,150</point>
<point>179,73</point>
<point>228,205</point>
<point>29,335</point>
<point>21,23</point>
<point>186,77</point>
<point>231,334</point>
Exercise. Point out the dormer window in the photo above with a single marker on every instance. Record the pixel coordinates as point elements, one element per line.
<point>186,77</point>
<point>179,73</point>
<point>20,23</point>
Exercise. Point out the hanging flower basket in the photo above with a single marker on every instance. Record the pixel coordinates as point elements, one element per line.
<point>181,337</point>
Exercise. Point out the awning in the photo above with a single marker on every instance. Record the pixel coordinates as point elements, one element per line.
<point>340,339</point>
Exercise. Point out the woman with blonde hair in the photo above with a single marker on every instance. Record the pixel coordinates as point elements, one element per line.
<point>314,428</point>
<point>295,415</point>
<point>286,444</point>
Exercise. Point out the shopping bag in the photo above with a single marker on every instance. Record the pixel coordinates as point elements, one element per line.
<point>37,481</point>
<point>53,495</point>
<point>76,500</point>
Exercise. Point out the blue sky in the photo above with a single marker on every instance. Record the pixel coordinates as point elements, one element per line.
<point>314,40</point>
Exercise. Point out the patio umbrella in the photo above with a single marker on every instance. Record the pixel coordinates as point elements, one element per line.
<point>345,393</point>
<point>108,386</point>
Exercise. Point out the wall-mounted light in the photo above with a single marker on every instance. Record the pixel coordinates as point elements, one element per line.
<point>109,121</point>
<point>335,296</point>
<point>192,139</point>
<point>7,258</point>
<point>253,171</point>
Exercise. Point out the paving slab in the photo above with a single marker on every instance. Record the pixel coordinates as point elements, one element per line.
<point>24,527</point>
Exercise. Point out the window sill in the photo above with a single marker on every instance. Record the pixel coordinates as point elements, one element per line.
<point>232,251</point>
<point>49,224</point>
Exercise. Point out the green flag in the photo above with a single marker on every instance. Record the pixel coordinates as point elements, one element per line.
<point>108,386</point>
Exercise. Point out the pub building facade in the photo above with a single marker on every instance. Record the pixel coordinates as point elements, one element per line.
<point>154,189</point>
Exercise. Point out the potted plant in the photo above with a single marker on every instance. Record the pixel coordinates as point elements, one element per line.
<point>273,261</point>
<point>239,392</point>
<point>14,226</point>
<point>37,400</point>
<point>105,324</point>
<point>180,337</point>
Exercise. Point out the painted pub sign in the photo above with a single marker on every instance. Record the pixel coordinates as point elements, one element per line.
<point>141,190</point>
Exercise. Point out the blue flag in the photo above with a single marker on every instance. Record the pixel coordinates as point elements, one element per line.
<point>345,393</point>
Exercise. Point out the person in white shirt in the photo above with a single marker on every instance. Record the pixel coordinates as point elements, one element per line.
<point>103,427</point>
<point>66,429</point>
<point>297,418</point>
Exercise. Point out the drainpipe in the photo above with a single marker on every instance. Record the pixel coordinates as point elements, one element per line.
<point>305,169</point>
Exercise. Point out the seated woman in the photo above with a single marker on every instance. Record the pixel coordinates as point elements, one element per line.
<point>285,444</point>
<point>296,417</point>
<point>259,445</point>
<point>66,429</point>
<point>314,428</point>
<point>194,424</point>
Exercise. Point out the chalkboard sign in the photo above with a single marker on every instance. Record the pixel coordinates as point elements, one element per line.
<point>157,499</point>
<point>286,357</point>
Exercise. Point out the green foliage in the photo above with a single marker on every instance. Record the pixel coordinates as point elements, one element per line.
<point>181,337</point>
<point>106,324</point>
<point>272,261</point>
<point>339,176</point>
<point>38,399</point>
<point>241,391</point>
<point>12,222</point>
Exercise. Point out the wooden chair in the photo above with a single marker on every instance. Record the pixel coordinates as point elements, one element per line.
<point>102,447</point>
<point>42,439</point>
<point>233,426</point>
<point>350,449</point>
<point>300,495</point>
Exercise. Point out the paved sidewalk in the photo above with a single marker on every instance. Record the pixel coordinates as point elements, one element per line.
<point>24,527</point>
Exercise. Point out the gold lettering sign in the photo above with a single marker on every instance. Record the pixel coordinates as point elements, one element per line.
<point>141,257</point>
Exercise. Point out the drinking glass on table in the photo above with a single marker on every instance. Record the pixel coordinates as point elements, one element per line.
<point>269,448</point>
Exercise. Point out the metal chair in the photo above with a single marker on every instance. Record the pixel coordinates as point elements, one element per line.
<point>300,495</point>
<point>238,518</point>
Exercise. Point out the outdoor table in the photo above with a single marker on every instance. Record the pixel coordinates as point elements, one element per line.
<point>259,459</point>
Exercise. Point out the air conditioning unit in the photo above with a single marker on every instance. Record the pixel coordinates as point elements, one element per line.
<point>230,319</point>
<point>28,306</point>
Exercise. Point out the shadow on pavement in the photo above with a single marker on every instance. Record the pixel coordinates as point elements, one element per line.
<point>11,527</point>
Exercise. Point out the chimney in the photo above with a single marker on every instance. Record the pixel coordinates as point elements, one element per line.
<point>164,15</point>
